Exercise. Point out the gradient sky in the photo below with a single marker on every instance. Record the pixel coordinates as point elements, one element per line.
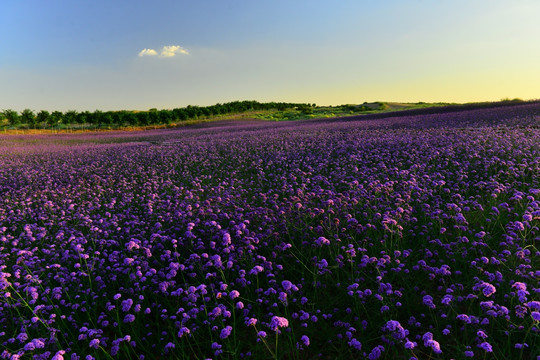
<point>87,55</point>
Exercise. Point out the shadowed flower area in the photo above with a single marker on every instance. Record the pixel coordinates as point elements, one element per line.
<point>360,238</point>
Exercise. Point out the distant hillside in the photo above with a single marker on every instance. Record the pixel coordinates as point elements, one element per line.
<point>29,121</point>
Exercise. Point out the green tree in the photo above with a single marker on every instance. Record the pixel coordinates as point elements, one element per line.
<point>130,118</point>
<point>143,118</point>
<point>179,114</point>
<point>28,117</point>
<point>42,117</point>
<point>12,117</point>
<point>55,118</point>
<point>83,117</point>
<point>123,118</point>
<point>206,112</point>
<point>165,116</point>
<point>192,112</point>
<point>107,118</point>
<point>305,108</point>
<point>96,117</point>
<point>70,117</point>
<point>154,117</point>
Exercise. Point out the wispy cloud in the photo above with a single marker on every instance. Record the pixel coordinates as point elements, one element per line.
<point>166,51</point>
<point>148,52</point>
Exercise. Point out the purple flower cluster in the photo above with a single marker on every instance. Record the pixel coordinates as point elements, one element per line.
<point>363,236</point>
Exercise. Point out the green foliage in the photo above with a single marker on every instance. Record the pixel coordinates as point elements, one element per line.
<point>55,118</point>
<point>107,119</point>
<point>153,116</point>
<point>42,117</point>
<point>281,107</point>
<point>304,108</point>
<point>28,117</point>
<point>95,117</point>
<point>356,108</point>
<point>12,117</point>
<point>82,117</point>
<point>143,119</point>
<point>70,117</point>
<point>276,111</point>
<point>514,100</point>
<point>382,106</point>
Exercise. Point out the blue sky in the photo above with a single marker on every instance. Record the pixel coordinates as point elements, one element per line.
<point>86,55</point>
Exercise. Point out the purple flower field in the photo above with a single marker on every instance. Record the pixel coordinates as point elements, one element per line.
<point>412,237</point>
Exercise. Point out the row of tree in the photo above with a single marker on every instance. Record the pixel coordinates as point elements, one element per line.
<point>44,118</point>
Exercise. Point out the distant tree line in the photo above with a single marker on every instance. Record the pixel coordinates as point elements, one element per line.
<point>122,118</point>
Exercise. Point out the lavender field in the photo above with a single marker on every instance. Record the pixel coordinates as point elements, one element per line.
<point>413,237</point>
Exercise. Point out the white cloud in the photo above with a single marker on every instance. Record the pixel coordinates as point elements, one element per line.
<point>166,51</point>
<point>172,50</point>
<point>148,52</point>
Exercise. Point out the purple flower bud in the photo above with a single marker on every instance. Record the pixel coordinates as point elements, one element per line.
<point>409,344</point>
<point>355,344</point>
<point>225,332</point>
<point>486,346</point>
<point>126,305</point>
<point>278,322</point>
<point>287,285</point>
